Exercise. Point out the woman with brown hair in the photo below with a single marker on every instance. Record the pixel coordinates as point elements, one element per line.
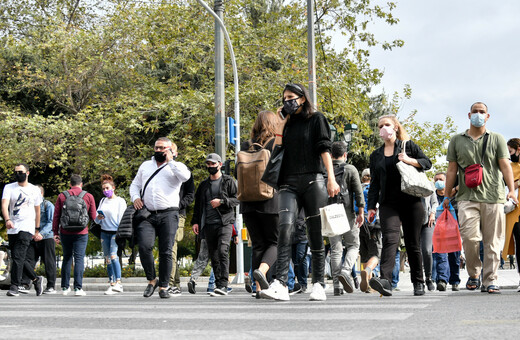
<point>110,211</point>
<point>261,217</point>
<point>395,207</point>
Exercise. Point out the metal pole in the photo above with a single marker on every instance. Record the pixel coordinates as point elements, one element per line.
<point>239,278</point>
<point>311,52</point>
<point>220,102</point>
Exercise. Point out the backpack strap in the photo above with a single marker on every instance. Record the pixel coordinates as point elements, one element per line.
<point>66,193</point>
<point>486,135</point>
<point>82,194</point>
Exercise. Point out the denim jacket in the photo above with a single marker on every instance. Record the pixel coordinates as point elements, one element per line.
<point>46,215</point>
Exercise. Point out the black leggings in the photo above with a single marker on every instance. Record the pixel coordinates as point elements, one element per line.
<point>309,191</point>
<point>410,215</point>
<point>263,230</point>
<point>516,235</point>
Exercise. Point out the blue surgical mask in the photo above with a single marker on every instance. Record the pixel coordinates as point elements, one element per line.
<point>478,119</point>
<point>439,185</point>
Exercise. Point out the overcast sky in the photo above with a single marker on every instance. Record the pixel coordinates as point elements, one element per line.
<point>456,52</point>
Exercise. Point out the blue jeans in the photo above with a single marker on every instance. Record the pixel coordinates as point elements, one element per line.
<point>290,277</point>
<point>454,263</point>
<point>73,246</point>
<point>109,245</point>
<point>395,272</point>
<point>440,267</point>
<point>301,269</point>
<point>211,281</point>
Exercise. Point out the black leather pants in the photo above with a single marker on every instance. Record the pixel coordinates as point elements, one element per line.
<point>310,192</point>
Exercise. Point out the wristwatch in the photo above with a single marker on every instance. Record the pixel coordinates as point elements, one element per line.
<point>222,201</point>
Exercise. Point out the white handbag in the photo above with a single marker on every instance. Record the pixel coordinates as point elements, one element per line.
<point>334,220</point>
<point>413,181</point>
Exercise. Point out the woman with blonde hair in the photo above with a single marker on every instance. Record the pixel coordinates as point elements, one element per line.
<point>110,211</point>
<point>395,207</point>
<point>261,217</point>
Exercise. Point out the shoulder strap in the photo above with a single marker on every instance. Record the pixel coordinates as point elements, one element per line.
<point>149,179</point>
<point>484,149</point>
<point>82,194</point>
<point>66,193</point>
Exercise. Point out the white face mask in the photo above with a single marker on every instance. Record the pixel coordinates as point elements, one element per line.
<point>478,119</point>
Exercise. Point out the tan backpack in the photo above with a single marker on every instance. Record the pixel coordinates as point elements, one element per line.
<point>250,167</point>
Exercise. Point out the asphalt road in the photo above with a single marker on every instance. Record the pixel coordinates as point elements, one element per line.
<point>437,315</point>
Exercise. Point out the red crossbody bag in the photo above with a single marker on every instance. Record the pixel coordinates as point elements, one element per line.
<point>473,174</point>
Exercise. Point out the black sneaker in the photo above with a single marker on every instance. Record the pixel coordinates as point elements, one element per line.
<point>418,288</point>
<point>338,291</point>
<point>296,289</point>
<point>247,284</point>
<point>13,291</point>
<point>23,290</point>
<point>38,285</point>
<point>191,287</point>
<point>441,286</point>
<point>430,285</point>
<point>455,287</point>
<point>381,285</point>
<point>164,294</point>
<point>356,282</point>
<point>221,291</point>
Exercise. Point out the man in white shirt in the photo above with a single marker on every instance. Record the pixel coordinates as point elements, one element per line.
<point>161,199</point>
<point>21,211</point>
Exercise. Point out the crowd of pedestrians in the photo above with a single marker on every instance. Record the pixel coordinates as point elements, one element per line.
<point>285,228</point>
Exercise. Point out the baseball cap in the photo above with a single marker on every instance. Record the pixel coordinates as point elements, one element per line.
<point>213,157</point>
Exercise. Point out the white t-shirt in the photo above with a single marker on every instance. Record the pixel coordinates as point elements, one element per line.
<point>22,201</point>
<point>113,209</point>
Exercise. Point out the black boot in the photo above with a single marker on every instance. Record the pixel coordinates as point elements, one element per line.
<point>418,288</point>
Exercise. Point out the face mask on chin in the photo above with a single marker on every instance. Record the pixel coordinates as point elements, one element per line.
<point>515,158</point>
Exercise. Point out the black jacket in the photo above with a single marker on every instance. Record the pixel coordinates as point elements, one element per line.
<point>187,194</point>
<point>377,190</point>
<point>227,192</point>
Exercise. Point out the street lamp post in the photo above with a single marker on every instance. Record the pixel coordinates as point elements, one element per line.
<point>348,132</point>
<point>239,278</point>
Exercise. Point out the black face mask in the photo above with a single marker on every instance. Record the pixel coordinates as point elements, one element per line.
<point>290,107</point>
<point>515,158</point>
<point>159,156</point>
<point>20,178</point>
<point>213,170</point>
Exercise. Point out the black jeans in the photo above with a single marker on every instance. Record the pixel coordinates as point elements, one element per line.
<point>410,215</point>
<point>46,251</point>
<point>263,230</point>
<point>516,235</point>
<point>309,191</point>
<point>218,237</point>
<point>164,226</point>
<point>18,243</point>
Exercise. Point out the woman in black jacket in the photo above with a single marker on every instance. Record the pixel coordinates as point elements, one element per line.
<point>395,207</point>
<point>261,217</point>
<point>307,145</point>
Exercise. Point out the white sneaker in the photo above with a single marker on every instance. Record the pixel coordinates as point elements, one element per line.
<point>276,291</point>
<point>110,291</point>
<point>79,292</point>
<point>318,293</point>
<point>65,291</point>
<point>118,287</point>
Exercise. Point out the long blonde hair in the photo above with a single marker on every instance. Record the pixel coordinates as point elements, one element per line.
<point>401,133</point>
<point>264,127</point>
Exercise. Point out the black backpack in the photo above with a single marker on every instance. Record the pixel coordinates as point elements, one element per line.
<point>344,195</point>
<point>74,215</point>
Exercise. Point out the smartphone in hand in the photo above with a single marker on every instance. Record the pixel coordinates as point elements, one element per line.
<point>100,212</point>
